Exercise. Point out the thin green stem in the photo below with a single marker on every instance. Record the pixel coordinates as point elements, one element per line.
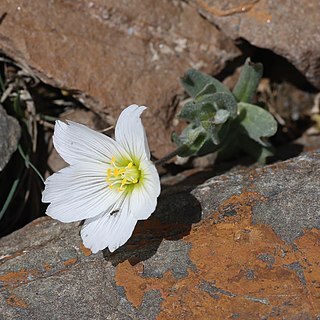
<point>28,163</point>
<point>9,197</point>
<point>48,118</point>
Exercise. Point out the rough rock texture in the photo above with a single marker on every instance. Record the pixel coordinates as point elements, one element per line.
<point>290,28</point>
<point>240,246</point>
<point>9,137</point>
<point>116,53</point>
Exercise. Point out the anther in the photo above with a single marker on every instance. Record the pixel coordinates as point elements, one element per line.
<point>122,176</point>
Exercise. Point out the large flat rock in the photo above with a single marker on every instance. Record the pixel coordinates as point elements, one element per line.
<point>244,245</point>
<point>116,53</point>
<point>289,28</point>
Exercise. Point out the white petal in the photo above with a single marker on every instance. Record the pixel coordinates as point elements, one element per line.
<point>143,199</point>
<point>113,230</point>
<point>78,192</point>
<point>130,133</point>
<point>77,143</point>
<point>108,230</point>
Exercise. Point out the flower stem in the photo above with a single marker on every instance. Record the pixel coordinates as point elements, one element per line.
<point>170,155</point>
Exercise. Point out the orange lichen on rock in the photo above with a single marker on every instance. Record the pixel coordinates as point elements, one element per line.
<point>139,285</point>
<point>308,252</point>
<point>12,256</point>
<point>16,302</point>
<point>258,268</point>
<point>47,267</point>
<point>70,262</point>
<point>242,270</point>
<point>11,279</point>
<point>86,252</point>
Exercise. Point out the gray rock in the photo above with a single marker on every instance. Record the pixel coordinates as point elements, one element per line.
<point>9,137</point>
<point>244,244</point>
<point>289,28</point>
<point>291,195</point>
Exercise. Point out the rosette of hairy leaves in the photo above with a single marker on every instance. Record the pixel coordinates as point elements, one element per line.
<point>209,112</point>
<point>225,121</point>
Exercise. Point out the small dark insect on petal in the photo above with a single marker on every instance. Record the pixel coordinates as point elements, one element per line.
<point>114,212</point>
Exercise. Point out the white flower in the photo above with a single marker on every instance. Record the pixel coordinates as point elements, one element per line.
<point>111,184</point>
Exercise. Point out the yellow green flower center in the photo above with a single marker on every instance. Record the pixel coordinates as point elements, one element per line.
<point>122,176</point>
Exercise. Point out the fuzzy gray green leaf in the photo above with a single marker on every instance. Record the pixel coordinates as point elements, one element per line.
<point>248,82</point>
<point>196,82</point>
<point>256,122</point>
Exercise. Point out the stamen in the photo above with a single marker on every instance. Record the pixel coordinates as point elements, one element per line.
<point>122,176</point>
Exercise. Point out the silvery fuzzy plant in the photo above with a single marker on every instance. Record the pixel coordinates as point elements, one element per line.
<point>223,121</point>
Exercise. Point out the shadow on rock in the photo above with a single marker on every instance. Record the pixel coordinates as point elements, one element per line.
<point>172,220</point>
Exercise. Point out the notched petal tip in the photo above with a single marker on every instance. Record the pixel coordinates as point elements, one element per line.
<point>131,114</point>
<point>134,108</point>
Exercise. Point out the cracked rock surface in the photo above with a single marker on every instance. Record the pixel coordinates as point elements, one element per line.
<point>243,245</point>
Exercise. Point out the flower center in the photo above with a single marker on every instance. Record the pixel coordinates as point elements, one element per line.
<point>121,177</point>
